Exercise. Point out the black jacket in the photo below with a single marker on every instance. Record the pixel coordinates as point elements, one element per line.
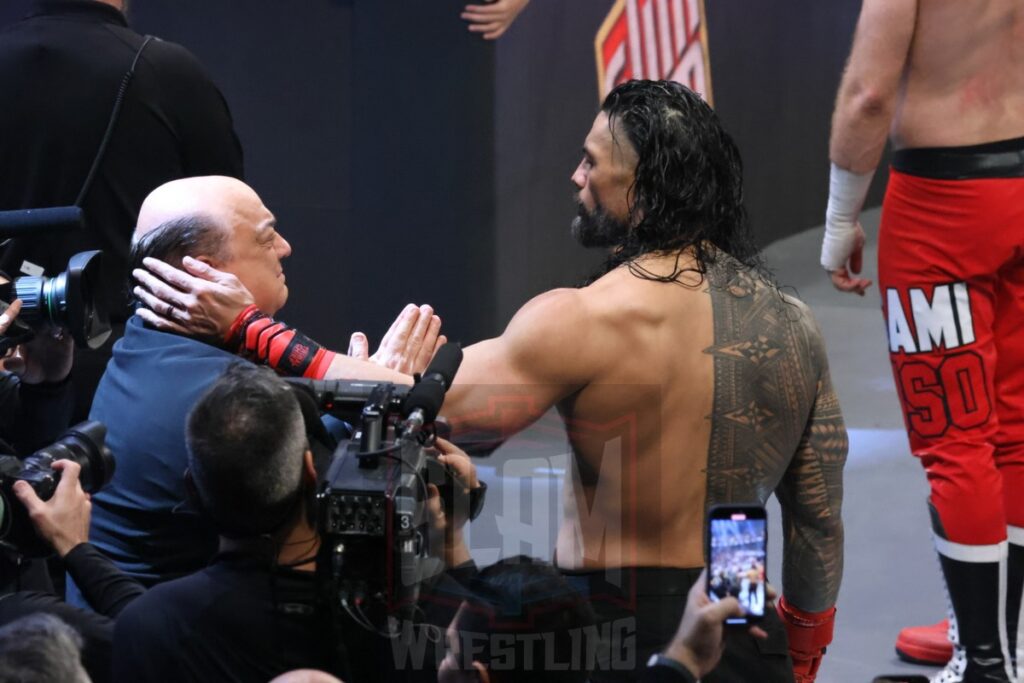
<point>61,69</point>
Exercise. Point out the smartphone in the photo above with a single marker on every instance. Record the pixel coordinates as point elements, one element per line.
<point>737,550</point>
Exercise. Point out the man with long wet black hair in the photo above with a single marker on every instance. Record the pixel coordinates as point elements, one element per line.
<point>685,379</point>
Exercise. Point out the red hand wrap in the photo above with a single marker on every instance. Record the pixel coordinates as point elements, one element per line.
<point>257,336</point>
<point>809,634</point>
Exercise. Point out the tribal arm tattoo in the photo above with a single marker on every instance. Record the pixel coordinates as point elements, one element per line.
<point>776,426</point>
<point>811,495</point>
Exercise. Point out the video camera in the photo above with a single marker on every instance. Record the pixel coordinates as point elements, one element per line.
<point>71,300</point>
<point>85,444</point>
<point>372,515</point>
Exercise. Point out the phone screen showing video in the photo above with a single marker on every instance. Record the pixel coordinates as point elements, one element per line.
<point>738,553</point>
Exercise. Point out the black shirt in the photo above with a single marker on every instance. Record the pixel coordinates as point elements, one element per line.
<point>236,620</point>
<point>60,70</point>
<point>108,590</point>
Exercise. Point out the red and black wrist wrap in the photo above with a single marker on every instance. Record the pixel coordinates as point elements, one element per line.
<point>261,339</point>
<point>809,634</point>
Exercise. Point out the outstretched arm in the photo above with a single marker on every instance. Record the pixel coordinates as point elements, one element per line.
<point>201,301</point>
<point>545,354</point>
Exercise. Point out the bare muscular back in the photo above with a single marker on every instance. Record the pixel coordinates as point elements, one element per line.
<point>674,396</point>
<point>964,79</point>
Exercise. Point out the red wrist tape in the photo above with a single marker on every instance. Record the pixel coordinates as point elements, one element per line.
<point>258,337</point>
<point>809,634</point>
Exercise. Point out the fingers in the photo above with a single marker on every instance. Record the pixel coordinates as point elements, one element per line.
<point>420,348</point>
<point>15,364</point>
<point>717,612</point>
<point>493,11</point>
<point>844,283</point>
<point>27,495</point>
<point>8,316</point>
<point>199,269</point>
<point>166,272</point>
<point>394,342</point>
<point>359,346</point>
<point>159,289</point>
<point>69,470</point>
<point>416,338</point>
<point>160,322</point>
<point>857,259</point>
<point>758,632</point>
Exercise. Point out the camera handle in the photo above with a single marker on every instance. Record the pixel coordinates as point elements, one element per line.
<point>374,426</point>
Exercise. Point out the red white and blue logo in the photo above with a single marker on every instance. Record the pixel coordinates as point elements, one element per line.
<point>654,39</point>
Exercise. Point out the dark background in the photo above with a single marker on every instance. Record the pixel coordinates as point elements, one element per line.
<point>408,160</point>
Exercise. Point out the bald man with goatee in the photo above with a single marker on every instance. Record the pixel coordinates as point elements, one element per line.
<point>141,519</point>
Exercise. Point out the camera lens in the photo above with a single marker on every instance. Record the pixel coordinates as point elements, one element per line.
<point>85,444</point>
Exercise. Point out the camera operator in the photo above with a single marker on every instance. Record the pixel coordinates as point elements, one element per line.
<point>63,522</point>
<point>253,613</point>
<point>36,400</point>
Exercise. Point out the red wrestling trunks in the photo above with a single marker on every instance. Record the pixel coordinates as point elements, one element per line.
<point>951,274</point>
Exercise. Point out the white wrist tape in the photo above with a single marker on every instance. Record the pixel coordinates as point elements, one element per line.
<point>846,195</point>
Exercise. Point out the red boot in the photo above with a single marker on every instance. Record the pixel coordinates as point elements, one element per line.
<point>927,645</point>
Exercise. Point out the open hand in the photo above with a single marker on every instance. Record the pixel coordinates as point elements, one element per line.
<point>409,345</point>
<point>199,301</point>
<point>493,19</point>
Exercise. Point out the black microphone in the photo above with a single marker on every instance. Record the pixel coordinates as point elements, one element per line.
<point>425,399</point>
<point>33,222</point>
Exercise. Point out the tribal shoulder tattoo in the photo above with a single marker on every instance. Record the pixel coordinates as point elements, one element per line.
<point>776,425</point>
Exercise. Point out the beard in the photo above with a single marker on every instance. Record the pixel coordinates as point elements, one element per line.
<point>596,228</point>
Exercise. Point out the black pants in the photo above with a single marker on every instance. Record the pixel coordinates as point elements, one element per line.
<point>638,611</point>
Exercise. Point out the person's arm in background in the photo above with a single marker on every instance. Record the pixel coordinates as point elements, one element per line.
<point>811,497</point>
<point>492,19</point>
<point>863,115</point>
<point>63,522</point>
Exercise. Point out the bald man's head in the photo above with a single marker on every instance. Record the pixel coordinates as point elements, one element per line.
<point>222,222</point>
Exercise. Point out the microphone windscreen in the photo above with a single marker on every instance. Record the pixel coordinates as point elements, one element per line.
<point>445,364</point>
<point>33,222</point>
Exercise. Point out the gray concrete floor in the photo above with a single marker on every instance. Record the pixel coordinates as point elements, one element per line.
<point>891,577</point>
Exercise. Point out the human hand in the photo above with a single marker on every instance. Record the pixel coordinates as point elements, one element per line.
<point>9,315</point>
<point>409,345</point>
<point>464,480</point>
<point>46,357</point>
<point>62,521</point>
<point>199,301</point>
<point>699,642</point>
<point>842,278</point>
<point>493,19</point>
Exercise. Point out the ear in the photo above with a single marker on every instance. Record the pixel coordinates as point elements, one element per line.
<point>213,263</point>
<point>308,469</point>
